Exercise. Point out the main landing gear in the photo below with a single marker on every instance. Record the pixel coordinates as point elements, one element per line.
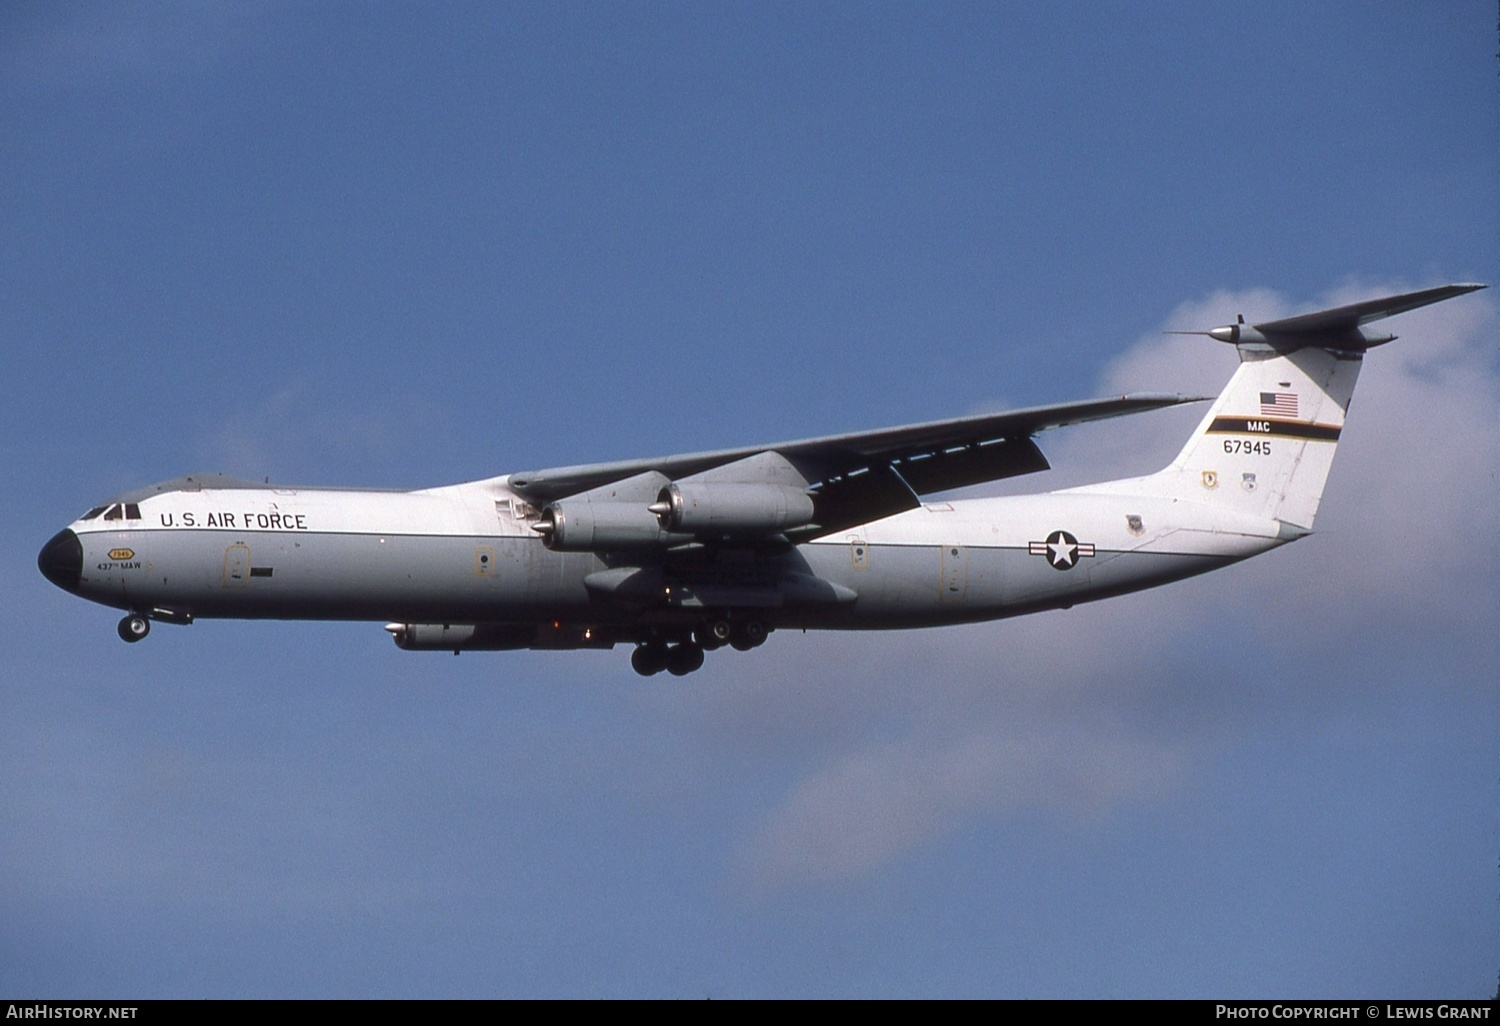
<point>656,655</point>
<point>683,657</point>
<point>134,627</point>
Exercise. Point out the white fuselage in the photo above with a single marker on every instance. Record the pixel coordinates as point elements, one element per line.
<point>467,554</point>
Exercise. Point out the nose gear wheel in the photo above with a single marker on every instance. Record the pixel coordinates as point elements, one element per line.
<point>134,627</point>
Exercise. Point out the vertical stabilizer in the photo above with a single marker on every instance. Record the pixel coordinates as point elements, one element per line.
<point>1266,446</point>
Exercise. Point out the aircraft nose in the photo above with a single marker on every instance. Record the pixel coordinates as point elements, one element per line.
<point>61,560</point>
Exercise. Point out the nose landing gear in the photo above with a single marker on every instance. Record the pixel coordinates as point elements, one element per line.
<point>134,627</point>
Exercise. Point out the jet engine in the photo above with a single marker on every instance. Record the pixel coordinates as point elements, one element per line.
<point>579,525</point>
<point>722,508</point>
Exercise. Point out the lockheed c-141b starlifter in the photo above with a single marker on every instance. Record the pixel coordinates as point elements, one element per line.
<point>684,554</point>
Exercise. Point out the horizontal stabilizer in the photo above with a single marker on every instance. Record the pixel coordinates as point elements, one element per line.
<point>1337,328</point>
<point>1343,319</point>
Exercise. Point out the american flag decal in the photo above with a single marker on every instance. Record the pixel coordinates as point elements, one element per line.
<point>1278,404</point>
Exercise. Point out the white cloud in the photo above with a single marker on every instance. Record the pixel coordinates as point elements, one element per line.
<point>1410,506</point>
<point>886,799</point>
<point>1074,713</point>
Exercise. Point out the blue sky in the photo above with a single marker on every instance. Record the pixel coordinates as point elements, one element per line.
<point>404,245</point>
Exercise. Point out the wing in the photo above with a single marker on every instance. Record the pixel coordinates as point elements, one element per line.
<point>859,477</point>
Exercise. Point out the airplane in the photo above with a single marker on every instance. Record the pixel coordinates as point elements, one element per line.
<point>681,555</point>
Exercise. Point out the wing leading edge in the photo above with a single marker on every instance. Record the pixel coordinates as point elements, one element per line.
<point>864,475</point>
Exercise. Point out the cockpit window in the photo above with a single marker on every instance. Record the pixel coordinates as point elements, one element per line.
<point>91,514</point>
<point>119,511</point>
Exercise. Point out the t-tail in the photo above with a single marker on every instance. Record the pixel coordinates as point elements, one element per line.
<point>1266,446</point>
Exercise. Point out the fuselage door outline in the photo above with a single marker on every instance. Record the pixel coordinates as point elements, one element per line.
<point>236,565</point>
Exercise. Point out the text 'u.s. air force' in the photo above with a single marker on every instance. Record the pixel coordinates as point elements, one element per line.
<point>238,521</point>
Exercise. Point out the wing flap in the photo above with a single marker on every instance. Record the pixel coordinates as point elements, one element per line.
<point>972,464</point>
<point>858,498</point>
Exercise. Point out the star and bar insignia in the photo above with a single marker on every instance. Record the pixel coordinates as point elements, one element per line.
<point>1062,550</point>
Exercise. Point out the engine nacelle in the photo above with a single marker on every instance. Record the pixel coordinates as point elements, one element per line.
<point>718,508</point>
<point>579,525</point>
